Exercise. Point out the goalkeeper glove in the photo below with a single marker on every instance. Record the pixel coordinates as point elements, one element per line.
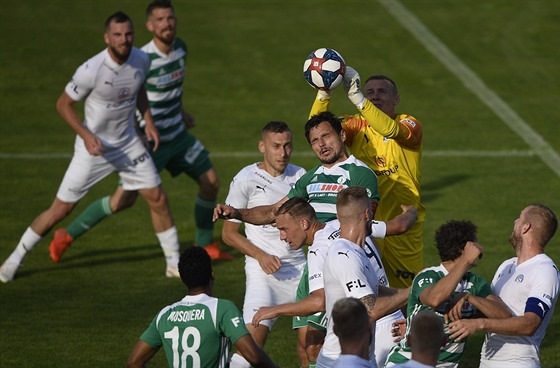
<point>352,87</point>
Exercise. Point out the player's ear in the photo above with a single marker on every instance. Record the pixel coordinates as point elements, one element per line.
<point>149,26</point>
<point>106,38</point>
<point>261,146</point>
<point>343,135</point>
<point>304,224</point>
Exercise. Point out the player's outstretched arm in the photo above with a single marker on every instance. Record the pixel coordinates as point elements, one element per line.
<point>65,107</point>
<point>260,215</point>
<point>313,303</point>
<point>389,300</point>
<point>403,222</point>
<point>140,355</point>
<point>253,353</point>
<point>525,325</point>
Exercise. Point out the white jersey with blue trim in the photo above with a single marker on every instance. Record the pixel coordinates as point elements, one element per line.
<point>531,286</point>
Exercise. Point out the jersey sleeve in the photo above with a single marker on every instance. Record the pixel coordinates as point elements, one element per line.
<point>544,290</point>
<point>315,261</point>
<point>151,336</point>
<point>483,288</point>
<point>230,321</point>
<point>238,195</point>
<point>82,82</point>
<point>407,131</point>
<point>300,187</point>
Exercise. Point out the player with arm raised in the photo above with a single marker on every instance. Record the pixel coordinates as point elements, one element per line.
<point>390,144</point>
<point>272,268</point>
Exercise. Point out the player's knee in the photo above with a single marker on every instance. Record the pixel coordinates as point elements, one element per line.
<point>209,184</point>
<point>155,198</point>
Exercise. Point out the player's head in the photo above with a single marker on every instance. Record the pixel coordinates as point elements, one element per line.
<point>293,219</point>
<point>382,92</point>
<point>537,221</point>
<point>276,146</point>
<point>195,268</point>
<point>351,320</point>
<point>119,36</point>
<point>326,137</point>
<point>426,335</point>
<point>353,206</point>
<point>161,21</point>
<point>452,237</point>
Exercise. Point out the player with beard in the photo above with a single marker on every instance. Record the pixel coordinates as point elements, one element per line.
<point>112,85</point>
<point>528,284</point>
<point>179,151</point>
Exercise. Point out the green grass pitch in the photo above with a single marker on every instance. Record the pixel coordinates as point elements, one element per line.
<point>244,69</point>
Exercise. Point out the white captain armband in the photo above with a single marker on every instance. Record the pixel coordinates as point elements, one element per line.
<point>536,306</point>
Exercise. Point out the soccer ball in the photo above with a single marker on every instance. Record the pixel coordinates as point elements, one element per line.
<point>324,69</point>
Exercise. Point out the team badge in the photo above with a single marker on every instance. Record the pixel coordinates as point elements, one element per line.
<point>519,279</point>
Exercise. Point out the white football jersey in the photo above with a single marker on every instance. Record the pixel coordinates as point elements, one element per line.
<point>537,278</point>
<point>110,91</point>
<point>253,187</point>
<point>347,273</point>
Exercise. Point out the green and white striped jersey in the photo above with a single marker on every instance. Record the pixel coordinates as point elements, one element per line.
<point>450,354</point>
<point>321,185</point>
<point>197,331</point>
<point>164,87</point>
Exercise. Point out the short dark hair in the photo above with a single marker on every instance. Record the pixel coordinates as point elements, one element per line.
<point>195,267</point>
<point>118,17</point>
<point>451,238</point>
<point>384,77</point>
<point>297,207</point>
<point>158,4</point>
<point>325,116</point>
<point>350,319</point>
<point>276,127</point>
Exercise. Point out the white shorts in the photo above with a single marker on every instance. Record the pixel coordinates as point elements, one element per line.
<point>264,290</point>
<point>383,337</point>
<point>132,161</point>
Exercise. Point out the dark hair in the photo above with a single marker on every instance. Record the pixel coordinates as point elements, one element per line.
<point>118,17</point>
<point>350,319</point>
<point>297,207</point>
<point>383,77</point>
<point>452,237</point>
<point>325,116</point>
<point>546,221</point>
<point>195,267</point>
<point>276,127</point>
<point>158,4</point>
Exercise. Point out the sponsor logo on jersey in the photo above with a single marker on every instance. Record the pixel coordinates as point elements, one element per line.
<point>344,253</point>
<point>124,93</point>
<point>355,284</point>
<point>261,188</point>
<point>236,321</point>
<point>519,278</point>
<point>315,276</point>
<point>143,157</point>
<point>262,177</point>
<point>380,161</point>
<point>170,78</point>
<point>325,188</point>
<point>334,235</point>
<point>388,172</point>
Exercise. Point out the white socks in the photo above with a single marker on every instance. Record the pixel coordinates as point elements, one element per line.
<point>169,241</point>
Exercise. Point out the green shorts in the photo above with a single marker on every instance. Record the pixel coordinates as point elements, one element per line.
<point>184,153</point>
<point>316,320</point>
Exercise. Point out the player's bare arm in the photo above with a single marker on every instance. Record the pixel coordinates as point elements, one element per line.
<point>525,325</point>
<point>140,355</point>
<point>369,301</point>
<point>260,215</point>
<point>188,119</point>
<point>232,237</point>
<point>436,294</point>
<point>489,307</point>
<point>403,222</point>
<point>65,107</point>
<point>389,300</point>
<point>313,303</point>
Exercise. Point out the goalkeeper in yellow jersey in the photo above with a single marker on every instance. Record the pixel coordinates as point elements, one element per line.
<point>391,145</point>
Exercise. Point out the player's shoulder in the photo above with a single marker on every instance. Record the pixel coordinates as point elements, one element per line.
<point>92,65</point>
<point>294,170</point>
<point>247,172</point>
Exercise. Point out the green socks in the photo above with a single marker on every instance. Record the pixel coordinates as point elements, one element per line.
<point>203,211</point>
<point>92,215</point>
